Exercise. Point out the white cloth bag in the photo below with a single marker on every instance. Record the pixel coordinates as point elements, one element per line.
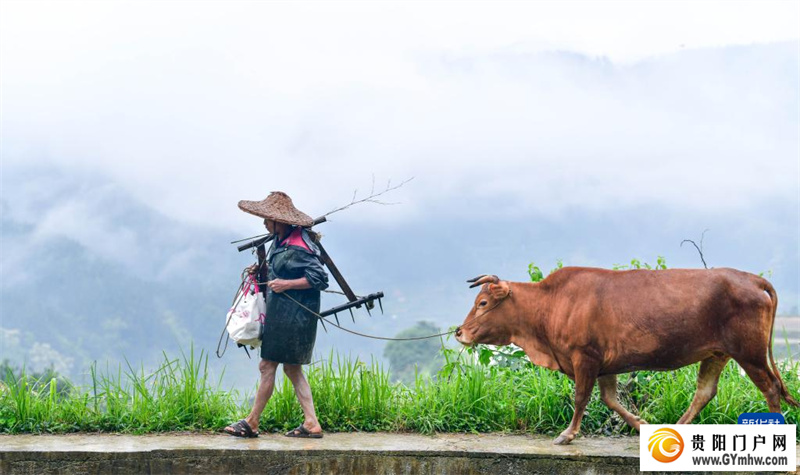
<point>245,318</point>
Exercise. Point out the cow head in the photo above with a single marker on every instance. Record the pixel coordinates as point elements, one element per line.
<point>487,322</point>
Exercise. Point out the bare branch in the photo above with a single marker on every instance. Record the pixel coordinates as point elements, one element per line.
<point>699,248</point>
<point>372,196</point>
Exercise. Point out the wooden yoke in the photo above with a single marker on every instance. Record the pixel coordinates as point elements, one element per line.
<point>337,276</point>
<point>353,299</point>
<point>263,269</point>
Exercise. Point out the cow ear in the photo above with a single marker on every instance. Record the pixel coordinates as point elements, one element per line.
<point>500,290</point>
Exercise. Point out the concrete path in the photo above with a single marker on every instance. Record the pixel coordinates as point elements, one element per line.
<point>387,453</point>
<point>625,447</point>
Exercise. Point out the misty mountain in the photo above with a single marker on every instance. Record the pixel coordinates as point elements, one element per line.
<point>116,227</point>
<point>67,301</point>
<point>89,274</point>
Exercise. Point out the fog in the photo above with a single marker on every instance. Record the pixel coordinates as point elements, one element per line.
<point>591,133</point>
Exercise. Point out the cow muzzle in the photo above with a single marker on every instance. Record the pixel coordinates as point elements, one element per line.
<point>462,338</point>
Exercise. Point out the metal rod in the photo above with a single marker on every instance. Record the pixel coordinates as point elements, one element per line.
<point>249,238</point>
<point>349,305</point>
<point>270,237</point>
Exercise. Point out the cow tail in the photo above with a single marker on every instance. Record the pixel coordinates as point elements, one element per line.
<point>774,297</point>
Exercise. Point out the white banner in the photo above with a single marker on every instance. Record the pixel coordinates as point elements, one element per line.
<point>717,448</point>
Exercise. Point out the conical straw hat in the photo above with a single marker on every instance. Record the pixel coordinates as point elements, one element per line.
<point>277,207</point>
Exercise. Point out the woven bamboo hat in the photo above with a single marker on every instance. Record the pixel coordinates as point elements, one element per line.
<point>277,207</point>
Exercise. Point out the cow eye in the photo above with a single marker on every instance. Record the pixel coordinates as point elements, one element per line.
<point>483,303</point>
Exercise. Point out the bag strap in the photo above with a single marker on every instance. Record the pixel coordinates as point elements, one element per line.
<point>236,299</point>
<point>252,284</point>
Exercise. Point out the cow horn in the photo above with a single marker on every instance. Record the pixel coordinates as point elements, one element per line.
<point>482,279</point>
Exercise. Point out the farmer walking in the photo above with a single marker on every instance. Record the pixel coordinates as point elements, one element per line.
<point>293,269</point>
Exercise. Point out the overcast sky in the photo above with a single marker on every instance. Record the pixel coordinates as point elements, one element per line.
<point>593,131</point>
<point>213,102</point>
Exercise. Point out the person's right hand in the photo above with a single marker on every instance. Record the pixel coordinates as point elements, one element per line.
<point>251,269</point>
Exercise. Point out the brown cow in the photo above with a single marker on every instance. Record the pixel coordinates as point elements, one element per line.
<point>593,324</point>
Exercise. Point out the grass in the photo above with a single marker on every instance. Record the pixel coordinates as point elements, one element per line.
<point>176,396</point>
<point>352,395</point>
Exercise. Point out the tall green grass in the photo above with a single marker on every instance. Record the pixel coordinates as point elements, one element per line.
<point>352,395</point>
<point>175,396</point>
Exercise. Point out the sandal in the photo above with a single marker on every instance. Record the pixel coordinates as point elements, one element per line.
<point>303,433</point>
<point>241,429</point>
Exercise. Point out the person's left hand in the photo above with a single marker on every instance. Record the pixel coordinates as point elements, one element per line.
<point>278,285</point>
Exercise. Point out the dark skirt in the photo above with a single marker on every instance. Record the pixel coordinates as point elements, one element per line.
<point>289,335</point>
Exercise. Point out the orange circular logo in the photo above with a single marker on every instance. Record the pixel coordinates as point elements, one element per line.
<point>665,445</point>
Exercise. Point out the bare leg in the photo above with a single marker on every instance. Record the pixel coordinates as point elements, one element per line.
<point>264,392</point>
<point>303,392</point>
<point>608,392</point>
<point>584,382</point>
<point>707,381</point>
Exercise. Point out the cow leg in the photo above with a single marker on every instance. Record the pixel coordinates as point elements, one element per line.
<point>608,393</point>
<point>766,381</point>
<point>707,381</point>
<point>584,382</point>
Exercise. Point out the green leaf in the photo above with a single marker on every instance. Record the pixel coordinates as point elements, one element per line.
<point>535,273</point>
<point>485,356</point>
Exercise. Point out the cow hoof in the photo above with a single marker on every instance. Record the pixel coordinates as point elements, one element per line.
<point>562,440</point>
<point>638,421</point>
